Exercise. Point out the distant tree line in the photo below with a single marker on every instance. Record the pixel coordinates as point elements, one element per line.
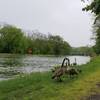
<point>14,40</point>
<point>85,51</point>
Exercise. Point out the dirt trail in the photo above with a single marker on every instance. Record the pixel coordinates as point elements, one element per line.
<point>93,96</point>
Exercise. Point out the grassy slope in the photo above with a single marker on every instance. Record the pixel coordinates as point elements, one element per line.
<point>40,86</point>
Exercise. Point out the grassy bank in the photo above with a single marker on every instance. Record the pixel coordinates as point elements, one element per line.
<point>40,86</point>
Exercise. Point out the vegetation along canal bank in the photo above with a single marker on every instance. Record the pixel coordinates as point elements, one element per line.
<point>40,86</point>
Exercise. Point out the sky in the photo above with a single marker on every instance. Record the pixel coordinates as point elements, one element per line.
<point>59,17</point>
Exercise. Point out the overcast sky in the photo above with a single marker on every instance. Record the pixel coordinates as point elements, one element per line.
<point>62,17</point>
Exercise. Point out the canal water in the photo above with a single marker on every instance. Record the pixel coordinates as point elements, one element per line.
<point>12,64</point>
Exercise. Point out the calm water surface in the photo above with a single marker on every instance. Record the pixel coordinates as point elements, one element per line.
<point>11,64</point>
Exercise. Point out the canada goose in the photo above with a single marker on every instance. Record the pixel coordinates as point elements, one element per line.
<point>75,63</point>
<point>58,72</point>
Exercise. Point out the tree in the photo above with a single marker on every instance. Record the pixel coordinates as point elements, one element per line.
<point>59,46</point>
<point>94,7</point>
<point>11,40</point>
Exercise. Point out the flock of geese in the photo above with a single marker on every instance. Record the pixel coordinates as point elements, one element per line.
<point>66,68</point>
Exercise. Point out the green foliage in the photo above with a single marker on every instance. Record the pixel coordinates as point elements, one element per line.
<point>97,46</point>
<point>13,40</point>
<point>59,46</point>
<point>94,7</point>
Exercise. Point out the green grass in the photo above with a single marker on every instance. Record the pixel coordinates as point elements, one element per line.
<point>40,86</point>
